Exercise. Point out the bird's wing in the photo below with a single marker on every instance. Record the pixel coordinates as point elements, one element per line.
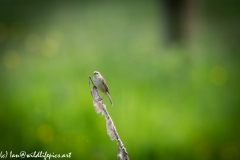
<point>105,85</point>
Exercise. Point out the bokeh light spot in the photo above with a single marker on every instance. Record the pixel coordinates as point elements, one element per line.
<point>55,34</point>
<point>17,30</point>
<point>3,31</point>
<point>45,133</point>
<point>11,59</point>
<point>32,42</point>
<point>218,76</point>
<point>52,43</point>
<point>50,47</point>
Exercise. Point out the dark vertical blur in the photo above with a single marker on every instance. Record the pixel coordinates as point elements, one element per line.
<point>178,20</point>
<point>187,21</point>
<point>173,20</point>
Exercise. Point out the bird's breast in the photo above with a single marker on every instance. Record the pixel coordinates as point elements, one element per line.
<point>99,85</point>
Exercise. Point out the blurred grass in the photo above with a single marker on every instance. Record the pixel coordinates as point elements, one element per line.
<point>168,103</point>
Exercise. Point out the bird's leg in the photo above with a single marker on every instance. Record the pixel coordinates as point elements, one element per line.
<point>102,96</point>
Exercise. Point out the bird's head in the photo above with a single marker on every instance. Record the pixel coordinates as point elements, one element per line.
<point>96,73</point>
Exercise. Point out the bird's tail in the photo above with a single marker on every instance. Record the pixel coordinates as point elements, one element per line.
<point>109,98</point>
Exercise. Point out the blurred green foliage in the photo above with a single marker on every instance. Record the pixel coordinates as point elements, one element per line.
<point>169,103</point>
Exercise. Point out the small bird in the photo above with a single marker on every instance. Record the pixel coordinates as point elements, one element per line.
<point>101,84</point>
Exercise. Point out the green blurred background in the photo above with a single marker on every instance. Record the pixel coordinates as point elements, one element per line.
<point>175,97</point>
